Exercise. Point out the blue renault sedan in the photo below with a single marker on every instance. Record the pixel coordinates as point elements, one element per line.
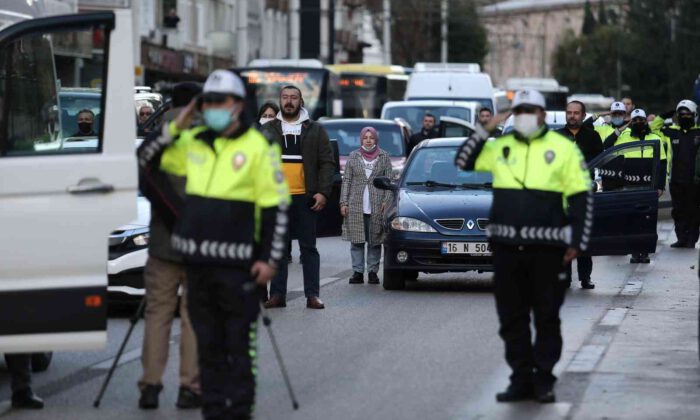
<point>439,217</point>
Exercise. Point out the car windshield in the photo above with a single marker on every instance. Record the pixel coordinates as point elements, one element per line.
<point>434,167</point>
<point>347,134</point>
<point>414,114</point>
<point>71,103</point>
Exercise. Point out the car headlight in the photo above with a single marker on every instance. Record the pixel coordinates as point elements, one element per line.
<point>141,240</point>
<point>409,224</point>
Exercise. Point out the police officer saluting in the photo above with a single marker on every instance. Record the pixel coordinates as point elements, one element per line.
<point>541,219</point>
<point>230,233</point>
<point>685,194</point>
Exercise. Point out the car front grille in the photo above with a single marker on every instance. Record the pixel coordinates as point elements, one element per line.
<point>452,224</point>
<point>482,223</point>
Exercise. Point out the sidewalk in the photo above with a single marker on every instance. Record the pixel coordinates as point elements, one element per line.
<point>641,359</point>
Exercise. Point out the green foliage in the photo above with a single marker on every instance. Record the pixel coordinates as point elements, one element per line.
<point>589,23</point>
<point>655,40</point>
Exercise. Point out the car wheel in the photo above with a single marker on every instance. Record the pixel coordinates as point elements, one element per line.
<point>410,275</point>
<point>41,361</point>
<point>394,280</point>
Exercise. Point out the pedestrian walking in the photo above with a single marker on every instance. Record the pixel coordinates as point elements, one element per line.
<point>230,233</point>
<point>428,131</point>
<point>20,367</point>
<point>308,166</point>
<point>637,167</point>
<point>541,219</point>
<point>165,275</point>
<point>588,140</point>
<point>362,205</point>
<point>267,113</point>
<point>684,139</point>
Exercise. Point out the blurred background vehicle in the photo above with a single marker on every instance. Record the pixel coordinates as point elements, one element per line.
<point>413,111</point>
<point>366,87</point>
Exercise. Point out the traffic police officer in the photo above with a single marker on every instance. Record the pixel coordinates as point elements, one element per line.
<point>230,232</point>
<point>684,138</point>
<point>617,121</point>
<point>637,167</point>
<point>541,218</point>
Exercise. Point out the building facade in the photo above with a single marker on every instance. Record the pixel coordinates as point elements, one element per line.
<point>523,35</point>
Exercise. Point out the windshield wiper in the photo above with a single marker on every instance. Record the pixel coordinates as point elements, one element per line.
<point>431,184</point>
<point>484,186</point>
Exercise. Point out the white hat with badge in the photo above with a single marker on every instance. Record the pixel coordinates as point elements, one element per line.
<point>528,97</point>
<point>226,82</point>
<point>638,113</point>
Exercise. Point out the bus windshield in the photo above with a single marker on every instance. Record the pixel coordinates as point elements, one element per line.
<point>267,84</point>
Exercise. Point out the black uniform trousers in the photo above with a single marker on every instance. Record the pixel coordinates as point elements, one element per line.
<point>529,279</point>
<point>685,199</point>
<point>20,367</point>
<point>224,306</point>
<point>584,267</point>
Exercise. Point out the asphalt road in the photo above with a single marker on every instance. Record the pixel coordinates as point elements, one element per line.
<point>429,352</point>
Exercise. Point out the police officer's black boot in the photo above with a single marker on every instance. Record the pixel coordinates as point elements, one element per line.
<point>640,259</point>
<point>149,397</point>
<point>516,393</point>
<point>678,244</point>
<point>26,399</point>
<point>587,284</point>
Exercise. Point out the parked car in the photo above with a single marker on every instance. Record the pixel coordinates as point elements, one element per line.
<point>439,216</point>
<point>393,138</point>
<point>128,252</point>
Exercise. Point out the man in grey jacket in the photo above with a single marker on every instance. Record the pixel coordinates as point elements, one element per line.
<point>164,275</point>
<point>308,166</point>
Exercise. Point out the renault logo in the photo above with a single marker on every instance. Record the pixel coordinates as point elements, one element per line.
<point>470,224</point>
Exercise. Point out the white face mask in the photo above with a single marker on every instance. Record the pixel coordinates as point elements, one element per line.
<point>526,124</point>
<point>264,120</point>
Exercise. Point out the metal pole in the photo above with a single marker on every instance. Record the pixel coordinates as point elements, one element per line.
<point>323,49</point>
<point>294,36</point>
<point>443,31</point>
<point>331,34</point>
<point>387,32</point>
<point>242,33</point>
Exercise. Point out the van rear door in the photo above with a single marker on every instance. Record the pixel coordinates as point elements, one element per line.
<point>62,188</point>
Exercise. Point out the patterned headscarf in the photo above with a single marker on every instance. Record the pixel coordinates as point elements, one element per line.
<point>372,154</point>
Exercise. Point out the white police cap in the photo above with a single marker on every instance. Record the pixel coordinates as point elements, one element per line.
<point>528,97</point>
<point>638,113</point>
<point>617,107</point>
<point>226,82</point>
<point>688,104</point>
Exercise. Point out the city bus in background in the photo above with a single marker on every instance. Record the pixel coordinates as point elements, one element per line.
<point>595,102</point>
<point>365,88</point>
<point>554,94</point>
<point>320,87</point>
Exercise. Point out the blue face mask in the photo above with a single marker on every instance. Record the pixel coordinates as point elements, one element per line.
<point>218,119</point>
<point>617,122</point>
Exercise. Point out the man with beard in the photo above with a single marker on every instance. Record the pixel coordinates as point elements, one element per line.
<point>427,132</point>
<point>591,146</point>
<point>684,139</point>
<point>638,163</point>
<point>86,120</point>
<point>485,117</point>
<point>308,165</point>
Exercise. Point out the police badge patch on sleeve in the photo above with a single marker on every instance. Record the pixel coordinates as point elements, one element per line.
<point>549,156</point>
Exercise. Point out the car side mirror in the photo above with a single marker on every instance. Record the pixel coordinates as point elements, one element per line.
<point>384,183</point>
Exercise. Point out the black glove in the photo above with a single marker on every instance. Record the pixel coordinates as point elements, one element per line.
<point>668,114</point>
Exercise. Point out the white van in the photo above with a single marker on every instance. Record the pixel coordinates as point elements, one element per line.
<point>451,81</point>
<point>59,204</point>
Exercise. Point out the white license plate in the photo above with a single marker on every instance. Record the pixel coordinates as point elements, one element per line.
<point>467,248</point>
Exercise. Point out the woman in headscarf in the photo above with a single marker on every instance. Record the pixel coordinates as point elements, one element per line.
<point>362,205</point>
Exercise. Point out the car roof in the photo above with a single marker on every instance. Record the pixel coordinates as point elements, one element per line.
<point>368,121</point>
<point>79,92</point>
<point>441,142</point>
<point>432,102</point>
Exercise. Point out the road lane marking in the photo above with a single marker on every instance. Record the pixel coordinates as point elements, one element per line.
<point>614,317</point>
<point>632,288</point>
<point>586,359</point>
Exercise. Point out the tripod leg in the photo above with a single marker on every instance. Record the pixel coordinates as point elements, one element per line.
<point>267,321</point>
<point>134,319</point>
